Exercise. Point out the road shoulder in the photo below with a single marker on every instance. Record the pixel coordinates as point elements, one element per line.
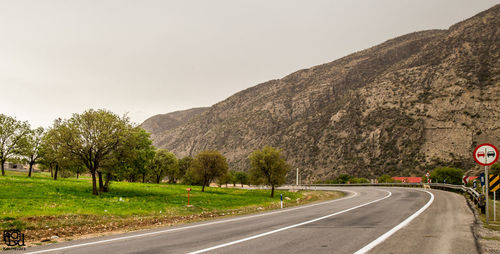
<point>445,227</point>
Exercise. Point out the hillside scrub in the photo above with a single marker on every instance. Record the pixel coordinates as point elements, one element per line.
<point>447,175</point>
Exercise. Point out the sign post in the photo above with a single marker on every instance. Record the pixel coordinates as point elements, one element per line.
<point>494,186</point>
<point>188,189</point>
<point>281,196</point>
<point>487,196</point>
<point>482,155</point>
<point>297,182</point>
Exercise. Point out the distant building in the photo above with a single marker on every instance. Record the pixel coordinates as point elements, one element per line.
<point>15,166</point>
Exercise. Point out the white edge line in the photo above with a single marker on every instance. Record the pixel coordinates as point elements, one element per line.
<point>292,226</point>
<point>198,225</point>
<point>384,237</point>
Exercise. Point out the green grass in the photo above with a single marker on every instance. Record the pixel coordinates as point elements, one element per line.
<point>494,225</point>
<point>37,196</point>
<point>67,207</point>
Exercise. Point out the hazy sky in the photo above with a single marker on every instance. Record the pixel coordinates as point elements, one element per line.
<point>153,57</point>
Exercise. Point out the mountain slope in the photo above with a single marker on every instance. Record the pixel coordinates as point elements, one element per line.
<point>164,122</point>
<point>408,104</point>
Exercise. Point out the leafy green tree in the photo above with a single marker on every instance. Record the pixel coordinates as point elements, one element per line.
<point>268,166</point>
<point>190,179</point>
<point>77,168</point>
<point>12,133</point>
<point>451,175</point>
<point>207,166</point>
<point>495,169</point>
<point>52,154</point>
<point>241,177</point>
<point>49,150</point>
<point>184,165</point>
<point>232,177</point>
<point>92,137</point>
<point>130,161</point>
<point>343,179</point>
<point>385,179</point>
<point>224,179</point>
<point>30,147</point>
<point>163,164</point>
<point>359,180</point>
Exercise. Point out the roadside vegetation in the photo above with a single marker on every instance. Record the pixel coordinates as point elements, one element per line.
<point>493,225</point>
<point>101,173</point>
<point>44,208</point>
<point>112,149</point>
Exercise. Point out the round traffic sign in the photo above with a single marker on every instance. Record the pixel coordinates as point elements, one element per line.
<point>486,154</point>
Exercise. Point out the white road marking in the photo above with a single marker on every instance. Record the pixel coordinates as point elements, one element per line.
<point>289,227</point>
<point>396,228</point>
<point>354,194</point>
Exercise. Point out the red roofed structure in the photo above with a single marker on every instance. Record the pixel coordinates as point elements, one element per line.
<point>408,179</point>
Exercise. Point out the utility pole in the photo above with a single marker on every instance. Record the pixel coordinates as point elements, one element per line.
<point>297,182</point>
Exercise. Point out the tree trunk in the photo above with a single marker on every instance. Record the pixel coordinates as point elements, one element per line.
<point>203,188</point>
<point>31,168</point>
<point>94,183</point>
<point>158,179</point>
<point>50,169</point>
<point>77,173</point>
<point>3,167</point>
<point>101,185</point>
<point>143,177</point>
<point>55,172</point>
<point>272,190</point>
<point>106,184</point>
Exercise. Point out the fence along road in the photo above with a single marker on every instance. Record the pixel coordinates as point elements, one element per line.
<point>348,225</point>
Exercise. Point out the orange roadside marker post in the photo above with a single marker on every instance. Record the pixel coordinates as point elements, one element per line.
<point>188,189</point>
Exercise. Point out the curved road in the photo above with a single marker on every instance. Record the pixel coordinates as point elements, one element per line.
<point>368,219</point>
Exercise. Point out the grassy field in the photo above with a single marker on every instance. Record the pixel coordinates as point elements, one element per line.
<point>66,208</point>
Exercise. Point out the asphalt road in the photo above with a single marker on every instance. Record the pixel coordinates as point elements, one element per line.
<point>378,220</point>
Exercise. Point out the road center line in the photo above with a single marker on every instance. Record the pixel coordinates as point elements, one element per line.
<point>289,227</point>
<point>354,194</point>
<point>383,237</point>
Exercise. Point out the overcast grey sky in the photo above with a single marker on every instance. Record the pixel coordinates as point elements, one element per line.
<point>152,57</point>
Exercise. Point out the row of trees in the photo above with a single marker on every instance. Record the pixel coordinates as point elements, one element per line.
<point>110,148</point>
<point>17,139</point>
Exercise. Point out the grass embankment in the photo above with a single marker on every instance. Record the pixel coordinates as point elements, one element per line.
<point>493,225</point>
<point>65,208</point>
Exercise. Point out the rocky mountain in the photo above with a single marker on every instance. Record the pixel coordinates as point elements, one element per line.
<point>164,122</point>
<point>401,107</point>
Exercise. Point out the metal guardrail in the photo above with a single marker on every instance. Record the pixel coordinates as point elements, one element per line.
<point>476,197</point>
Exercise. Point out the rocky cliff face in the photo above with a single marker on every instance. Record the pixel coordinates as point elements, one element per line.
<point>165,122</point>
<point>406,105</point>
